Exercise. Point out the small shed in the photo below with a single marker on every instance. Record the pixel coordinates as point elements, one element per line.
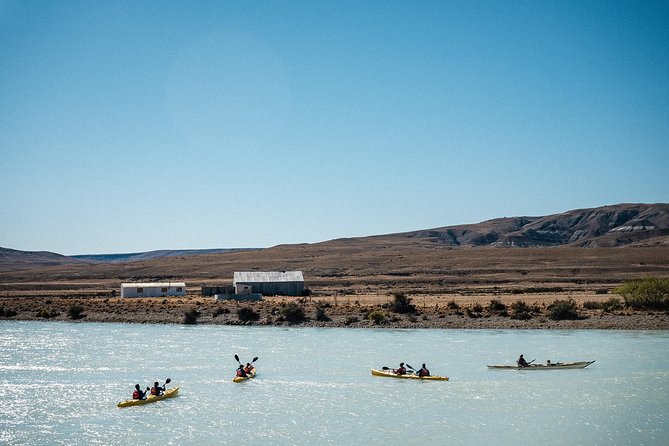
<point>153,289</point>
<point>272,283</point>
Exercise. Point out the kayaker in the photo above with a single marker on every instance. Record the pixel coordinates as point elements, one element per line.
<point>521,362</point>
<point>401,370</point>
<point>423,371</point>
<point>156,389</point>
<point>241,372</point>
<point>249,368</point>
<point>138,394</point>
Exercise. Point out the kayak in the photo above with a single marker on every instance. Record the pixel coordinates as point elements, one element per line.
<point>169,393</point>
<point>550,366</point>
<point>391,374</point>
<point>238,379</point>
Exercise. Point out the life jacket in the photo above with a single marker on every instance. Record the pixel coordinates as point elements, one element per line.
<point>155,391</point>
<point>423,372</point>
<point>241,373</point>
<point>248,370</point>
<point>136,395</point>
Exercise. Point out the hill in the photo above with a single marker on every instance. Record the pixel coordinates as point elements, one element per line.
<point>607,226</point>
<point>150,255</point>
<point>12,259</point>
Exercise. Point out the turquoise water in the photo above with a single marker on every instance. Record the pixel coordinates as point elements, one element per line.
<point>60,382</point>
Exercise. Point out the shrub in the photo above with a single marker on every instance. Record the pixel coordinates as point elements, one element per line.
<point>521,310</point>
<point>601,291</point>
<point>496,306</point>
<point>612,304</point>
<point>47,313</point>
<point>402,304</point>
<point>219,311</point>
<point>477,308</point>
<point>649,293</point>
<point>191,316</point>
<point>246,314</point>
<point>376,316</point>
<point>453,305</point>
<point>563,309</point>
<point>351,320</point>
<point>592,305</point>
<point>292,313</point>
<point>321,316</point>
<point>472,314</point>
<point>7,313</point>
<point>75,312</point>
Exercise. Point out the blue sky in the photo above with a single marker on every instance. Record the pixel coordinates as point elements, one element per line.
<point>132,126</point>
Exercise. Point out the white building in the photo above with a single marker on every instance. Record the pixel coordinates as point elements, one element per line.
<point>154,289</point>
<point>269,283</point>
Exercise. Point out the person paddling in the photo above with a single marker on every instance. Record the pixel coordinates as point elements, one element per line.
<point>241,372</point>
<point>139,394</point>
<point>521,362</point>
<point>423,371</point>
<point>401,370</point>
<point>248,368</point>
<point>156,390</point>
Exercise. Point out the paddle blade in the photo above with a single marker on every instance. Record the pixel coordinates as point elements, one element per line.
<point>255,359</point>
<point>236,358</point>
<point>409,366</point>
<point>168,380</point>
<point>385,368</point>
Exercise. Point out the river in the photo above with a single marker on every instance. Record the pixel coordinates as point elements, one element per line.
<point>60,382</point>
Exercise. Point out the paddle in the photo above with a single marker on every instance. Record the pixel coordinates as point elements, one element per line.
<point>254,360</point>
<point>240,364</point>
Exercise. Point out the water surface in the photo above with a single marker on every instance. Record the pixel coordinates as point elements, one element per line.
<point>60,382</point>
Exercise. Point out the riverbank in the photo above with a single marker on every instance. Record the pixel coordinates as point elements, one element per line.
<point>433,311</point>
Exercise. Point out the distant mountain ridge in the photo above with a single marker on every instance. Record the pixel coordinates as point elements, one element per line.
<point>149,255</point>
<point>638,225</point>
<point>606,226</point>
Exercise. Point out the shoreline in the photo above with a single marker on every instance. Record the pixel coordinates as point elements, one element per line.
<point>432,312</point>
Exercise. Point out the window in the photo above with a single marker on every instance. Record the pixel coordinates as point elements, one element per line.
<point>179,289</point>
<point>163,289</point>
<point>140,290</point>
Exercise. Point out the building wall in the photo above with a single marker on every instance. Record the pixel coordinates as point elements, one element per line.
<point>140,290</point>
<point>272,288</point>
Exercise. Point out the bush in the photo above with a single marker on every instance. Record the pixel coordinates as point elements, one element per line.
<point>453,305</point>
<point>75,312</point>
<point>376,316</point>
<point>521,310</point>
<point>292,313</point>
<point>563,309</point>
<point>351,320</point>
<point>601,291</point>
<point>496,306</point>
<point>246,314</point>
<point>47,313</point>
<point>7,313</point>
<point>650,293</point>
<point>612,304</point>
<point>592,305</point>
<point>219,311</point>
<point>191,316</point>
<point>402,304</point>
<point>321,316</point>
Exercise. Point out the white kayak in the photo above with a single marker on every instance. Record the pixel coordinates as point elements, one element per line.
<point>547,366</point>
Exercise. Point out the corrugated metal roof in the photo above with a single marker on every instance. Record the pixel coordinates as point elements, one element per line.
<point>153,284</point>
<point>268,276</point>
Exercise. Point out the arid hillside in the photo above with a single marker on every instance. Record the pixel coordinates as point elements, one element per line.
<point>594,248</point>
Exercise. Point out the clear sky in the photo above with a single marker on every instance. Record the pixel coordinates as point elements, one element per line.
<point>138,125</point>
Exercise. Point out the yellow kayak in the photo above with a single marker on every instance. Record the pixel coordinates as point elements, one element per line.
<point>391,374</point>
<point>239,379</point>
<point>169,393</point>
